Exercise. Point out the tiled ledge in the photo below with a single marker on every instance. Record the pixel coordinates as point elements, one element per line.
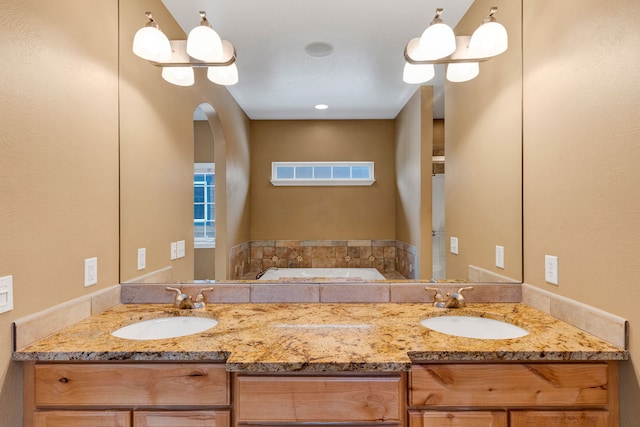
<point>37,326</point>
<point>609,327</point>
<point>305,292</point>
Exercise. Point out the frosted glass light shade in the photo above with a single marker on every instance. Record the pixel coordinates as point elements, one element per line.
<point>150,43</point>
<point>462,71</point>
<point>179,76</point>
<point>225,76</point>
<point>204,43</point>
<point>418,73</point>
<point>437,41</point>
<point>489,39</point>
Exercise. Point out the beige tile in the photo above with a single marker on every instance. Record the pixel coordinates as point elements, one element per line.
<point>536,297</point>
<point>359,243</point>
<point>354,292</point>
<point>39,325</point>
<point>290,292</point>
<point>105,299</point>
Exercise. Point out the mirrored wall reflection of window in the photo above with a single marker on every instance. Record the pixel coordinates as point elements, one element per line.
<point>204,205</point>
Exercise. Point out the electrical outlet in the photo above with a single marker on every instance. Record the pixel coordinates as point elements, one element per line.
<point>174,250</point>
<point>500,256</point>
<point>453,243</point>
<point>181,249</point>
<point>142,258</point>
<point>551,269</point>
<point>6,294</point>
<point>90,271</point>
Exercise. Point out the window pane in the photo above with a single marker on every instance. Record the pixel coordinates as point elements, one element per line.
<point>304,172</point>
<point>341,172</point>
<point>198,211</point>
<point>198,231</point>
<point>322,172</point>
<point>198,177</point>
<point>284,172</point>
<point>211,179</point>
<point>198,194</point>
<point>211,194</point>
<point>211,211</point>
<point>359,172</point>
<point>211,230</point>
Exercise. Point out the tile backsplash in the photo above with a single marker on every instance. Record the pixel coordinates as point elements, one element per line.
<point>387,256</point>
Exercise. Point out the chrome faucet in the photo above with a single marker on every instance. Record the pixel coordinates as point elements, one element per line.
<point>259,275</point>
<point>185,302</point>
<point>455,300</point>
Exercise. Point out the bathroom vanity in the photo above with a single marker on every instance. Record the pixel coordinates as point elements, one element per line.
<point>322,364</point>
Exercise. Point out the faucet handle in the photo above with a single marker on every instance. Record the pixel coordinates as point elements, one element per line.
<point>438,298</point>
<point>457,299</point>
<point>200,296</point>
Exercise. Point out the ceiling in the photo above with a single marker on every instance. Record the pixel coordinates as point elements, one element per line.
<point>360,79</point>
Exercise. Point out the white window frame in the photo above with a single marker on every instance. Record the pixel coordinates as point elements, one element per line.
<point>200,242</point>
<point>321,181</point>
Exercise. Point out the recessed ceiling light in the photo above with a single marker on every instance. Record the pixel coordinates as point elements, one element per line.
<point>321,107</point>
<point>318,49</point>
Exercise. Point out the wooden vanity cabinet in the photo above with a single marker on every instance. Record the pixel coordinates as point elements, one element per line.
<point>514,394</point>
<point>286,399</point>
<point>126,395</point>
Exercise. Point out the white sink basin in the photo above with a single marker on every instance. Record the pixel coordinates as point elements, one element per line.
<point>474,327</point>
<point>165,327</point>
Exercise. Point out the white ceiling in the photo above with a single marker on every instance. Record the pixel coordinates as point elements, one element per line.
<point>361,79</point>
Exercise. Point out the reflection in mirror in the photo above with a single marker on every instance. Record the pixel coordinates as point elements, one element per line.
<point>204,201</point>
<point>402,225</point>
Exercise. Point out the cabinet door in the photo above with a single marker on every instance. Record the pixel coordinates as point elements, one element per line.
<point>82,419</point>
<point>131,384</point>
<point>560,419</point>
<point>274,399</point>
<point>181,419</point>
<point>458,419</point>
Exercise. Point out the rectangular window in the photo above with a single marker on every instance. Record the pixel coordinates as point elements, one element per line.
<point>204,205</point>
<point>322,173</point>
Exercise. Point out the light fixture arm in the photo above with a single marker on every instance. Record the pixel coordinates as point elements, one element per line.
<point>180,58</point>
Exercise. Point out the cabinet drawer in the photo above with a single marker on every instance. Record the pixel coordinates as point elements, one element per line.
<point>181,419</point>
<point>458,419</point>
<point>129,385</point>
<point>318,399</point>
<point>482,385</point>
<point>82,419</point>
<point>561,419</point>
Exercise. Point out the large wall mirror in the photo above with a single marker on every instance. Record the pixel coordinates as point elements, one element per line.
<point>448,170</point>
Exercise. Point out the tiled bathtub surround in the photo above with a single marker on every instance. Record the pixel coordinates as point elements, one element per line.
<point>387,256</point>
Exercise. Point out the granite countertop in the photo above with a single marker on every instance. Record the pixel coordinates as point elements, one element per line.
<point>321,337</point>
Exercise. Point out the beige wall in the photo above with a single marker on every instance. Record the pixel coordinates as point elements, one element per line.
<point>581,156</point>
<point>58,160</point>
<point>309,213</point>
<point>413,151</point>
<point>483,178</point>
<point>157,154</point>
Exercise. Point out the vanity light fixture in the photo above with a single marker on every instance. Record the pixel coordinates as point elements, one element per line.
<point>434,47</point>
<point>178,58</point>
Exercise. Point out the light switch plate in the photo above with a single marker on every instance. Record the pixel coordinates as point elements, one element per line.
<point>6,294</point>
<point>174,250</point>
<point>181,249</point>
<point>90,271</point>
<point>551,269</point>
<point>500,256</point>
<point>453,243</point>
<point>142,258</point>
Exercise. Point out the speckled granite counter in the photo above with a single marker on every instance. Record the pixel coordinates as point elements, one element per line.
<point>321,338</point>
